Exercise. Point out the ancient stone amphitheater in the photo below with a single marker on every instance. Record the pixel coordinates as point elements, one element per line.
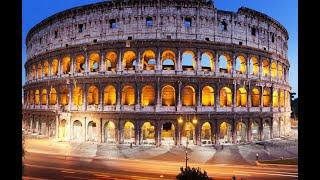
<point>153,72</point>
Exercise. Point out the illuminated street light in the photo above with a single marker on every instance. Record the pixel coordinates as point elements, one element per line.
<point>180,120</point>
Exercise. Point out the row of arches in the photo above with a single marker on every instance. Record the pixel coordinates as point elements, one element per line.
<point>148,61</point>
<point>168,96</point>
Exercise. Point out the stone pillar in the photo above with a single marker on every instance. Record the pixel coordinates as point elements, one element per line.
<point>234,104</point>
<point>233,132</point>
<point>102,67</point>
<point>118,106</point>
<point>260,67</point>
<point>261,97</point>
<point>233,67</point>
<point>271,98</point>
<point>179,64</point>
<point>198,60</point>
<point>37,127</point>
<point>72,58</point>
<point>248,66</point>
<point>138,99</point>
<point>198,134</point>
<point>139,64</point>
<point>120,132</point>
<point>70,129</point>
<point>137,133</point>
<point>31,125</point>
<point>100,131</point>
<point>59,67</point>
<point>217,62</point>
<point>249,131</point>
<point>271,128</point>
<point>217,97</point>
<point>101,97</point>
<point>270,61</point>
<point>199,97</point>
<point>217,132</point>
<point>57,126</point>
<point>158,66</point>
<point>47,98</point>
<point>158,94</point>
<point>261,130</point>
<point>70,97</point>
<point>119,63</point>
<point>87,70</point>
<point>158,137</point>
<point>179,96</point>
<point>85,96</point>
<point>249,97</point>
<point>178,134</point>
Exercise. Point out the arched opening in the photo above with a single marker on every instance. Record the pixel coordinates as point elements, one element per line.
<point>255,97</point>
<point>62,129</point>
<point>149,60</point>
<point>94,60</point>
<point>77,130</point>
<point>266,97</point>
<point>129,132</point>
<point>66,62</point>
<point>188,96</point>
<point>147,96</point>
<point>129,60</point>
<point>80,64</point>
<point>225,63</point>
<point>39,71</point>
<point>188,134</point>
<point>64,98</point>
<point>111,61</point>
<point>34,72</point>
<point>110,96</point>
<point>275,98</point>
<point>167,134</point>
<point>276,128</point>
<point>281,98</point>
<point>225,135</point>
<point>254,131</point>
<point>241,65</point>
<point>241,97</point>
<point>207,96</point>
<point>46,68</point>
<point>109,132</point>
<point>93,96</point>
<point>54,67</point>
<point>266,131</point>
<point>188,61</point>
<point>168,60</point>
<point>225,97</point>
<point>31,100</point>
<point>77,96</point>
<point>206,133</point>
<point>128,96</point>
<point>37,97</point>
<point>280,71</point>
<point>207,61</point>
<point>168,96</point>
<point>254,66</point>
<point>273,70</point>
<point>44,97</point>
<point>148,133</point>
<point>92,131</point>
<point>265,68</point>
<point>241,132</point>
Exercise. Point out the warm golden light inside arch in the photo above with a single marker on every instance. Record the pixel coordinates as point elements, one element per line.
<point>225,97</point>
<point>148,131</point>
<point>209,57</point>
<point>254,66</point>
<point>53,97</point>
<point>188,130</point>
<point>241,65</point>
<point>148,56</point>
<point>147,96</point>
<point>111,61</point>
<point>44,97</point>
<point>281,98</point>
<point>93,96</point>
<point>280,71</point>
<point>128,58</point>
<point>128,130</point>
<point>273,69</point>
<point>255,97</point>
<point>265,68</point>
<point>79,64</point>
<point>94,59</point>
<point>33,72</point>
<point>207,96</point>
<point>225,129</point>
<point>110,95</point>
<point>54,67</point>
<point>37,97</point>
<point>77,96</point>
<point>46,68</point>
<point>31,96</point>
<point>128,96</point>
<point>168,96</point>
<point>64,98</point>
<point>39,71</point>
<point>166,57</point>
<point>266,97</point>
<point>186,55</point>
<point>188,96</point>
<point>66,62</point>
<point>206,131</point>
<point>275,98</point>
<point>241,97</point>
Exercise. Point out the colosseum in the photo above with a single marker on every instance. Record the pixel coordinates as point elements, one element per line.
<point>151,72</point>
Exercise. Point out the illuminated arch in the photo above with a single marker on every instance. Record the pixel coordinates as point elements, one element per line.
<point>241,65</point>
<point>31,96</point>
<point>39,71</point>
<point>168,96</point>
<point>225,97</point>
<point>206,133</point>
<point>168,60</point>
<point>129,57</point>
<point>281,98</point>
<point>225,134</point>
<point>66,63</point>
<point>255,97</point>
<point>241,97</point>
<point>225,63</point>
<point>80,64</point>
<point>109,132</point>
<point>92,131</point>
<point>148,60</point>
<point>77,96</point>
<point>33,72</point>
<point>207,96</point>
<point>148,133</point>
<point>128,95</point>
<point>255,131</point>
<point>53,96</point>
<point>207,61</point>
<point>54,67</point>
<point>265,68</point>
<point>280,71</point>
<point>188,132</point>
<point>64,98</point>
<point>266,97</point>
<point>188,96</point>
<point>129,134</point>
<point>44,97</point>
<point>275,98</point>
<point>147,96</point>
<point>254,66</point>
<point>94,59</point>
<point>37,97</point>
<point>77,130</point>
<point>241,132</point>
<point>62,128</point>
<point>46,68</point>
<point>188,61</point>
<point>93,95</point>
<point>110,95</point>
<point>273,69</point>
<point>111,61</point>
<point>266,131</point>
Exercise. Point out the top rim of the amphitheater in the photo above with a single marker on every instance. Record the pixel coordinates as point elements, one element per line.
<point>117,3</point>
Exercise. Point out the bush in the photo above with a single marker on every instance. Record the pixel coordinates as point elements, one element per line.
<point>192,174</point>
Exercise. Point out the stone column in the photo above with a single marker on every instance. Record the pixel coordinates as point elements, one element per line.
<point>179,66</point>
<point>72,58</point>
<point>47,98</point>
<point>261,97</point>
<point>101,97</point>
<point>57,126</point>
<point>100,131</point>
<point>139,65</point>
<point>120,132</point>
<point>70,131</point>
<point>217,132</point>
<point>119,63</point>
<point>85,129</point>
<point>102,67</point>
<point>178,134</point>
<point>249,131</point>
<point>31,124</point>
<point>249,97</point>
<point>217,63</point>
<point>87,70</point>
<point>138,99</point>
<point>198,60</point>
<point>260,67</point>
<point>233,67</point>
<point>179,96</point>
<point>158,66</point>
<point>59,67</point>
<point>198,134</point>
<point>158,130</point>
<point>199,97</point>
<point>248,66</point>
<point>137,133</point>
<point>118,106</point>
<point>217,97</point>
<point>271,128</point>
<point>233,132</point>
<point>261,130</point>
<point>70,97</point>
<point>37,127</point>
<point>270,61</point>
<point>271,98</point>
<point>84,97</point>
<point>158,94</point>
<point>234,104</point>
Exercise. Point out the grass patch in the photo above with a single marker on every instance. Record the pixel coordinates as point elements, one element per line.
<point>284,161</point>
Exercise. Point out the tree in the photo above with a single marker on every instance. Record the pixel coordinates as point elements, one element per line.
<point>192,173</point>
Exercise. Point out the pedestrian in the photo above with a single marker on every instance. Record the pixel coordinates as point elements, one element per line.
<point>131,145</point>
<point>264,146</point>
<point>222,147</point>
<point>257,157</point>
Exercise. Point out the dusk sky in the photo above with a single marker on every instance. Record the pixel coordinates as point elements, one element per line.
<point>284,11</point>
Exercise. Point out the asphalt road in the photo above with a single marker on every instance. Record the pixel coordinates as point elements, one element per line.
<point>43,166</point>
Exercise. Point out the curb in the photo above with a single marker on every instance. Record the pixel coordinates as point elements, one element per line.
<point>274,165</point>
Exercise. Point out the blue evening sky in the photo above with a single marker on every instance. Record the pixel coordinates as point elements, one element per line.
<point>284,11</point>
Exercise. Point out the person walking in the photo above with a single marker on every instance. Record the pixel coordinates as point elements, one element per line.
<point>257,157</point>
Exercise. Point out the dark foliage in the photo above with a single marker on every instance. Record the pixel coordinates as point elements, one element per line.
<point>192,174</point>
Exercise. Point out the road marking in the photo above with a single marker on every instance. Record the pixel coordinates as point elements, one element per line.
<point>271,174</point>
<point>75,177</point>
<point>71,172</point>
<point>32,178</point>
